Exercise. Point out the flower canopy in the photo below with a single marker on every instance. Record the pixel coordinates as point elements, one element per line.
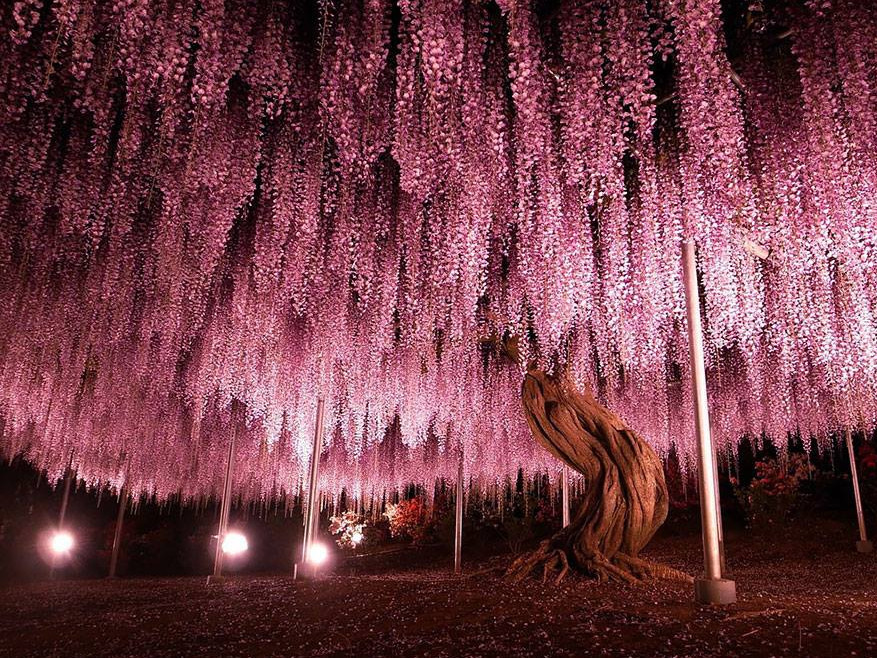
<point>207,201</point>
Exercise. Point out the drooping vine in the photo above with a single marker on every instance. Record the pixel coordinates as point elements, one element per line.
<point>261,201</point>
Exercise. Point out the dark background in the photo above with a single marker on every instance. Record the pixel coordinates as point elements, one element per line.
<point>172,539</point>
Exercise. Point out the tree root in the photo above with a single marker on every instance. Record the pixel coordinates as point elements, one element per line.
<point>648,570</point>
<point>621,567</point>
<point>546,557</point>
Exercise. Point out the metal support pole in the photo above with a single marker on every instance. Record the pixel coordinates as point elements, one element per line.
<point>713,588</point>
<point>117,535</point>
<point>65,499</point>
<point>312,516</point>
<point>225,504</point>
<point>458,525</point>
<point>564,484</point>
<point>719,512</point>
<point>863,545</point>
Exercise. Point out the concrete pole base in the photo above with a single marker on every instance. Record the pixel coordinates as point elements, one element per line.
<point>864,546</point>
<point>715,592</point>
<point>215,580</point>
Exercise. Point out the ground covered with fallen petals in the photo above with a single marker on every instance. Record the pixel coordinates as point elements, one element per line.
<point>803,591</point>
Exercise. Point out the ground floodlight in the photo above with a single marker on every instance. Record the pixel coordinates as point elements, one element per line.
<point>234,543</point>
<point>61,542</point>
<point>318,554</point>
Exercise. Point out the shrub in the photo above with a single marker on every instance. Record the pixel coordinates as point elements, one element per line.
<point>412,519</point>
<point>775,492</point>
<point>349,530</point>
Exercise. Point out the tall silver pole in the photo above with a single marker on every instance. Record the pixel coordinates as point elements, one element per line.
<point>225,504</point>
<point>458,525</point>
<point>863,545</point>
<point>117,535</point>
<point>564,484</point>
<point>713,588</point>
<point>719,508</point>
<point>65,499</point>
<point>311,515</point>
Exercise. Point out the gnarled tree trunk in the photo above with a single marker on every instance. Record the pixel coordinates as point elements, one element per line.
<point>626,497</point>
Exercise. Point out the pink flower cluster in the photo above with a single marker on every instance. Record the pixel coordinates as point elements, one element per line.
<point>207,201</point>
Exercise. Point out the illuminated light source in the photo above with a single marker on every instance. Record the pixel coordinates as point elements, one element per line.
<point>234,543</point>
<point>318,554</point>
<point>61,542</point>
<point>356,537</point>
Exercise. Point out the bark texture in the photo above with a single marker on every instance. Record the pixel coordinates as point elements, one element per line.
<point>626,498</point>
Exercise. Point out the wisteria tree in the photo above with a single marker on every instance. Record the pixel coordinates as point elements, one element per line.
<point>204,201</point>
<point>626,498</point>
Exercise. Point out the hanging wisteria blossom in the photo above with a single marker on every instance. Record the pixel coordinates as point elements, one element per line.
<point>208,201</point>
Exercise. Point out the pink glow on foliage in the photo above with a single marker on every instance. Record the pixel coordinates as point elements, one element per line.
<point>210,200</point>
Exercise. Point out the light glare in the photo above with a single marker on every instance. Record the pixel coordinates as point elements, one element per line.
<point>61,542</point>
<point>318,554</point>
<point>234,543</point>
